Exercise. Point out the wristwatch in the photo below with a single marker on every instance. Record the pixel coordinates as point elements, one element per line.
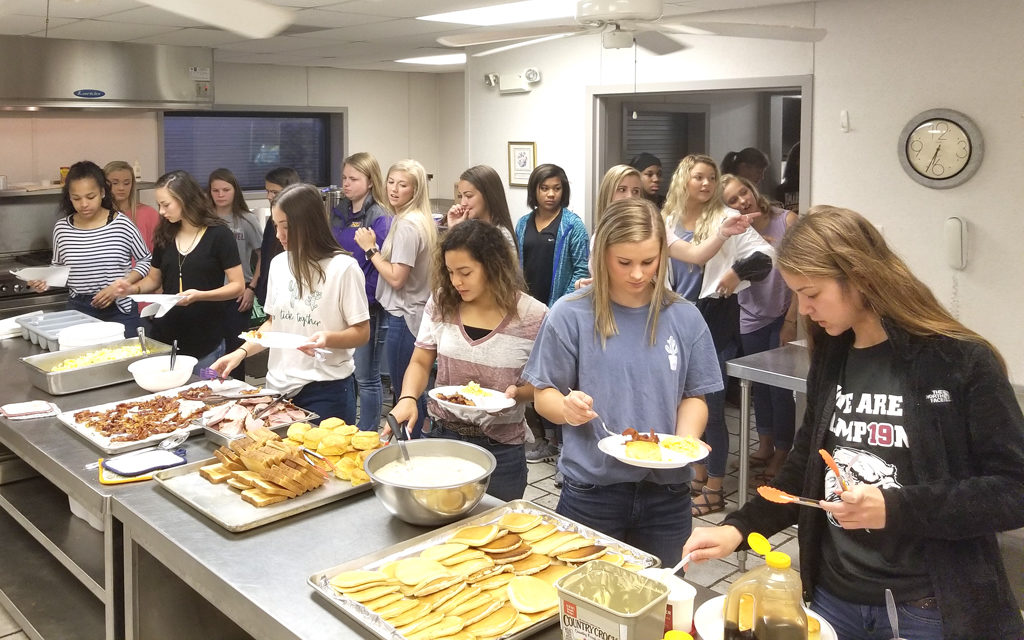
<point>371,252</point>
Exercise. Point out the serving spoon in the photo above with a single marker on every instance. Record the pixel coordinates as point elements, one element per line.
<point>398,430</point>
<point>168,443</point>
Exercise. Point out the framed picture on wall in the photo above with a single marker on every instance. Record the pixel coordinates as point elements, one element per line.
<point>522,158</point>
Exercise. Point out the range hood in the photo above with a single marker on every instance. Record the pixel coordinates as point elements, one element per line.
<point>42,73</point>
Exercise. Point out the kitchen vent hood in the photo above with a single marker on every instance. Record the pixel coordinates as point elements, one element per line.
<point>42,73</point>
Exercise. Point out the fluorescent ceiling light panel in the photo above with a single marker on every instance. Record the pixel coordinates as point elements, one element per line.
<point>450,58</point>
<point>510,13</point>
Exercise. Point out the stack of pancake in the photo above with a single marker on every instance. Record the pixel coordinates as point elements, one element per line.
<point>482,582</point>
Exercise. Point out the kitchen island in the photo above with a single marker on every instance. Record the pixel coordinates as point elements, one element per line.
<point>160,569</point>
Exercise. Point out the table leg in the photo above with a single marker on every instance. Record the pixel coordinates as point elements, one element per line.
<point>744,445</point>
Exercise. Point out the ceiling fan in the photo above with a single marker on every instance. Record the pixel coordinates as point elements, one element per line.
<point>248,18</point>
<point>623,22</point>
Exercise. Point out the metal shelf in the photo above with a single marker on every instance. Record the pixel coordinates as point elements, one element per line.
<point>42,510</point>
<point>36,592</point>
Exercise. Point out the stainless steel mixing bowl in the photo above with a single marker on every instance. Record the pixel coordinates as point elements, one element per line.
<point>436,505</point>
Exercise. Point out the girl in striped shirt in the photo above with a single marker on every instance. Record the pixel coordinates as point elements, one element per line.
<point>99,245</point>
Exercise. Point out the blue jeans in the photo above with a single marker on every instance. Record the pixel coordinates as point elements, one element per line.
<point>113,313</point>
<point>400,345</point>
<point>716,434</point>
<point>652,517</point>
<point>508,482</point>
<point>329,399</point>
<point>774,407</point>
<point>367,360</point>
<point>869,622</point>
<point>209,358</point>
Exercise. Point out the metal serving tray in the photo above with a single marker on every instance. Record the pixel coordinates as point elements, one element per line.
<point>320,581</point>
<point>223,505</point>
<point>92,376</point>
<point>215,436</point>
<point>109,446</point>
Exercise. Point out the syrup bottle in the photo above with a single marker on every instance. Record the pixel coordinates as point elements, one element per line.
<point>766,603</point>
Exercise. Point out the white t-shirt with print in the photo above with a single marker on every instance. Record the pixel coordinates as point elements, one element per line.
<point>335,304</point>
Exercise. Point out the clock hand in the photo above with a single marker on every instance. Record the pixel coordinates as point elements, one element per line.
<point>935,157</point>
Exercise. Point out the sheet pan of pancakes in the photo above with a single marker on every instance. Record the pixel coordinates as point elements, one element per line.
<point>491,576</point>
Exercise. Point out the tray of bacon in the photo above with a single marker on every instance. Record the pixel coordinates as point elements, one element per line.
<point>491,575</point>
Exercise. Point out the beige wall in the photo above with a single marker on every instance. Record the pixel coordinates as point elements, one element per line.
<point>882,61</point>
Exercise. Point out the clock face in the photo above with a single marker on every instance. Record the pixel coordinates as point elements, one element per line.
<point>938,149</point>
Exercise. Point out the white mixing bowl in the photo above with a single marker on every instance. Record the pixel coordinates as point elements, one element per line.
<point>154,374</point>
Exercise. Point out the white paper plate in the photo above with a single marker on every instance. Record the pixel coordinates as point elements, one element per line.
<point>710,624</point>
<point>276,339</point>
<point>615,446</point>
<point>56,275</point>
<point>490,401</point>
<point>160,303</point>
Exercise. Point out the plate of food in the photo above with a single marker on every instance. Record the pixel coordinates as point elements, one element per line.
<point>471,396</point>
<point>653,450</point>
<point>275,339</point>
<point>709,622</point>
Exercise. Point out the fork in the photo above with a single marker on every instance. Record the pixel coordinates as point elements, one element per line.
<point>605,427</point>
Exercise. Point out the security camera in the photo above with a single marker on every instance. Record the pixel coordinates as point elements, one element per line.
<point>532,75</point>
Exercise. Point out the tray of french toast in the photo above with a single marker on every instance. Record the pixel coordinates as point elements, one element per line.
<point>262,477</point>
<point>489,576</point>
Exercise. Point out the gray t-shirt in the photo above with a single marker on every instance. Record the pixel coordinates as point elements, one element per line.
<point>408,247</point>
<point>248,237</point>
<point>633,383</point>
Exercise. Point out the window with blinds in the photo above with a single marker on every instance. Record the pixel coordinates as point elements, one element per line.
<point>668,135</point>
<point>249,144</point>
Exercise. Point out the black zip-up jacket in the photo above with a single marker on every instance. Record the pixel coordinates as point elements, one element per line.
<point>968,457</point>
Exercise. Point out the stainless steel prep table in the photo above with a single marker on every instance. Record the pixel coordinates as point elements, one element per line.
<point>784,367</point>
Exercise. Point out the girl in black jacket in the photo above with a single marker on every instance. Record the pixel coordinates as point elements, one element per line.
<point>919,414</point>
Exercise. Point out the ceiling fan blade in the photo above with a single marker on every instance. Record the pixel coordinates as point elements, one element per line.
<point>743,30</point>
<point>248,18</point>
<point>657,42</point>
<point>522,43</point>
<point>504,35</point>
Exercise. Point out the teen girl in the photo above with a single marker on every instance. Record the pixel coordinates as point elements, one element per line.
<point>627,328</point>
<point>365,206</point>
<point>125,197</point>
<point>478,326</point>
<point>314,290</point>
<point>694,210</point>
<point>194,254</point>
<point>767,321</point>
<point>919,415</point>
<point>404,265</point>
<point>99,246</point>
<point>274,182</point>
<point>480,196</point>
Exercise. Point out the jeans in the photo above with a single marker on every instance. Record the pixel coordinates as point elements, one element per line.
<point>716,434</point>
<point>508,482</point>
<point>367,361</point>
<point>113,313</point>
<point>774,407</point>
<point>652,517</point>
<point>209,358</point>
<point>871,622</point>
<point>329,399</point>
<point>400,345</point>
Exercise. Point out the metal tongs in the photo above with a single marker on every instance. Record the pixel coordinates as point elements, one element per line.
<point>142,341</point>
<point>400,434</point>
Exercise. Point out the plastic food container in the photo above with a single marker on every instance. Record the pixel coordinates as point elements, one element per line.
<point>602,600</point>
<point>89,334</point>
<point>93,376</point>
<point>43,329</point>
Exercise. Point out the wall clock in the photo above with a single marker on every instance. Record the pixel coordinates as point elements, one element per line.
<point>940,148</point>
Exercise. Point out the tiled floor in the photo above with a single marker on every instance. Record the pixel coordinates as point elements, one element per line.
<point>9,629</point>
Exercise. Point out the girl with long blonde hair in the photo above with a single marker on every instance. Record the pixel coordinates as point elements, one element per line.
<point>365,207</point>
<point>403,264</point>
<point>920,418</point>
<point>125,194</point>
<point>695,212</point>
<point>628,328</point>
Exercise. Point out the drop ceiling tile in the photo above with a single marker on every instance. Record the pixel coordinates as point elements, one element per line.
<point>408,8</point>
<point>152,15</point>
<point>397,28</point>
<point>333,19</point>
<point>220,55</point>
<point>302,4</point>
<point>18,25</point>
<point>67,8</point>
<point>276,44</point>
<point>101,30</point>
<point>193,38</point>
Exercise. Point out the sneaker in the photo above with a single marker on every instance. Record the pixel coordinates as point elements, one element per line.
<point>541,451</point>
<point>558,480</point>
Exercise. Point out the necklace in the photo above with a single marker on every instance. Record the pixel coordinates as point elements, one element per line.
<point>185,254</point>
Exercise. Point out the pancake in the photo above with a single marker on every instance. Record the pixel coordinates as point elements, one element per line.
<point>471,604</point>
<point>465,595</point>
<point>530,564</point>
<point>613,558</point>
<point>531,595</point>
<point>469,567</point>
<point>507,542</point>
<point>551,574</point>
<point>353,579</point>
<point>481,612</point>
<point>462,556</point>
<point>518,553</point>
<point>583,554</point>
<point>519,522</point>
<point>443,629</point>
<point>429,591</point>
<point>543,615</point>
<point>396,608</point>
<point>495,624</point>
<point>539,532</point>
<point>554,541</point>
<point>413,571</point>
<point>422,622</point>
<point>442,551</point>
<point>488,572</point>
<point>366,595</point>
<point>571,545</point>
<point>476,536</point>
<point>383,601</point>
<point>421,609</point>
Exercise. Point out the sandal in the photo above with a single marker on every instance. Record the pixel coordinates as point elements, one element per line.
<point>697,486</point>
<point>714,501</point>
<point>760,479</point>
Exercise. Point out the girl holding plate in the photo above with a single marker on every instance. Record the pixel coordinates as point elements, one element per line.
<point>625,328</point>
<point>478,326</point>
<point>314,291</point>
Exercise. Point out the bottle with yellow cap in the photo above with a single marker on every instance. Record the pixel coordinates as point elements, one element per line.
<point>766,602</point>
<point>675,634</point>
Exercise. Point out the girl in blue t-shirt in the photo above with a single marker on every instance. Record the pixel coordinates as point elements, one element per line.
<point>631,353</point>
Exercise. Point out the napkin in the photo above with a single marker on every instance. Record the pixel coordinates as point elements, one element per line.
<point>159,303</point>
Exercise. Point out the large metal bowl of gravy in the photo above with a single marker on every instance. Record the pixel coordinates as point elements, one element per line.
<point>438,485</point>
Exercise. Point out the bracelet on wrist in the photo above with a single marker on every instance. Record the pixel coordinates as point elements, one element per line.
<point>413,398</point>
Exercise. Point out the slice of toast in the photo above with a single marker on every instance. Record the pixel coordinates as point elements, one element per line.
<point>259,498</point>
<point>215,473</point>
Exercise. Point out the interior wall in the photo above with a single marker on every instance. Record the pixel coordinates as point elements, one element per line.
<point>881,87</point>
